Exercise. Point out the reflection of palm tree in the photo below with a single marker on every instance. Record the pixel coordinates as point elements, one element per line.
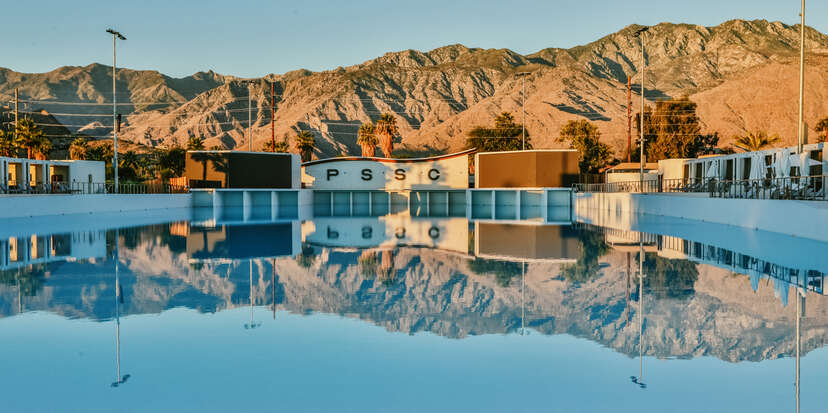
<point>307,257</point>
<point>368,264</point>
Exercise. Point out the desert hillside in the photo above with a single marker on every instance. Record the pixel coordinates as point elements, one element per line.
<point>743,75</point>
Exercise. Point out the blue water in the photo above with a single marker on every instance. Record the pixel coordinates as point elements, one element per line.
<point>379,314</point>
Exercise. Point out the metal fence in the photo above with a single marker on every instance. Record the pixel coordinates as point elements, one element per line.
<point>94,188</point>
<point>796,187</point>
<point>126,188</point>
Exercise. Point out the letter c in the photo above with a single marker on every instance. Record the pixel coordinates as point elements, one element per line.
<point>434,174</point>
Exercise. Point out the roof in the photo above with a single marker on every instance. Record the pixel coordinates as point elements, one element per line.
<point>633,166</point>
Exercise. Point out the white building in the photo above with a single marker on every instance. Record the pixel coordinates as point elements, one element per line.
<point>21,175</point>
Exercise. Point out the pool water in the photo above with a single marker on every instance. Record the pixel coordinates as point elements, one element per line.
<point>189,312</point>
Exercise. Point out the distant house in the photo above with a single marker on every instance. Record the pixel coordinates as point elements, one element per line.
<point>630,172</point>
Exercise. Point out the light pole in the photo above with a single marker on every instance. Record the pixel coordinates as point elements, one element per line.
<point>115,36</point>
<point>801,78</point>
<point>523,108</point>
<point>640,35</point>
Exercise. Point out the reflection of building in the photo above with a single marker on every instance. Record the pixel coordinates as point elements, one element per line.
<point>241,242</point>
<point>17,252</point>
<point>754,267</point>
<point>389,231</point>
<point>526,243</point>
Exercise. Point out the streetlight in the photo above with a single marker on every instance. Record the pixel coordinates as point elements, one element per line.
<point>801,78</point>
<point>115,36</point>
<point>523,123</point>
<point>639,34</point>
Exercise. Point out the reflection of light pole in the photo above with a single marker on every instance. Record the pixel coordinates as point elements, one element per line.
<point>119,298</point>
<point>522,298</point>
<point>252,324</point>
<point>273,285</point>
<point>800,308</point>
<point>640,379</point>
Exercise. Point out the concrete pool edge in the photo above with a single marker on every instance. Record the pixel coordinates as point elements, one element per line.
<point>28,206</point>
<point>805,219</point>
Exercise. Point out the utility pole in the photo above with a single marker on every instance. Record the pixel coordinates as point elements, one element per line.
<point>16,112</point>
<point>115,36</point>
<point>801,78</point>
<point>273,126</point>
<point>640,34</point>
<point>249,121</point>
<point>629,119</point>
<point>523,106</point>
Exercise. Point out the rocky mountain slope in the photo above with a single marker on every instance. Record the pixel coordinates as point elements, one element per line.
<point>743,74</point>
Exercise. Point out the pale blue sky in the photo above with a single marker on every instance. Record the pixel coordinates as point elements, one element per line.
<point>253,38</point>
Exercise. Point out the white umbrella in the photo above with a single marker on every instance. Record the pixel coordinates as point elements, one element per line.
<point>782,164</point>
<point>713,170</point>
<point>756,166</point>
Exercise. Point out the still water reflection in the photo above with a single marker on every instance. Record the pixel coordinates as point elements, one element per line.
<point>402,313</point>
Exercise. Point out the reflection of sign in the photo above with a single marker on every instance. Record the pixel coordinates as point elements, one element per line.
<point>442,172</point>
<point>442,233</point>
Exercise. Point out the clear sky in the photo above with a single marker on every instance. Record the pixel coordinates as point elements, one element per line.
<point>254,38</point>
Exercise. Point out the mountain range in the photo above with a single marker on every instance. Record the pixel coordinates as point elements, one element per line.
<point>744,75</point>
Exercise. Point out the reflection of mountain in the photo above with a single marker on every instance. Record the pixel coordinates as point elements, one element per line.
<point>436,291</point>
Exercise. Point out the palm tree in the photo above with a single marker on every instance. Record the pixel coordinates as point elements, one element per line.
<point>28,136</point>
<point>387,130</point>
<point>305,144</point>
<point>129,165</point>
<point>78,148</point>
<point>42,147</point>
<point>8,147</point>
<point>281,146</point>
<point>755,141</point>
<point>367,139</point>
<point>195,143</point>
<point>822,126</point>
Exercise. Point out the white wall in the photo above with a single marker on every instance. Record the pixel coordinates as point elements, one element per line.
<point>15,206</point>
<point>806,219</point>
<point>79,171</point>
<point>631,176</point>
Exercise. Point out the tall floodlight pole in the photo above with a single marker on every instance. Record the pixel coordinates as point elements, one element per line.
<point>115,36</point>
<point>640,34</point>
<point>801,78</point>
<point>249,121</point>
<point>523,108</point>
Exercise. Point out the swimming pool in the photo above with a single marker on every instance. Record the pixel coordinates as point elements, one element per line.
<point>232,310</point>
